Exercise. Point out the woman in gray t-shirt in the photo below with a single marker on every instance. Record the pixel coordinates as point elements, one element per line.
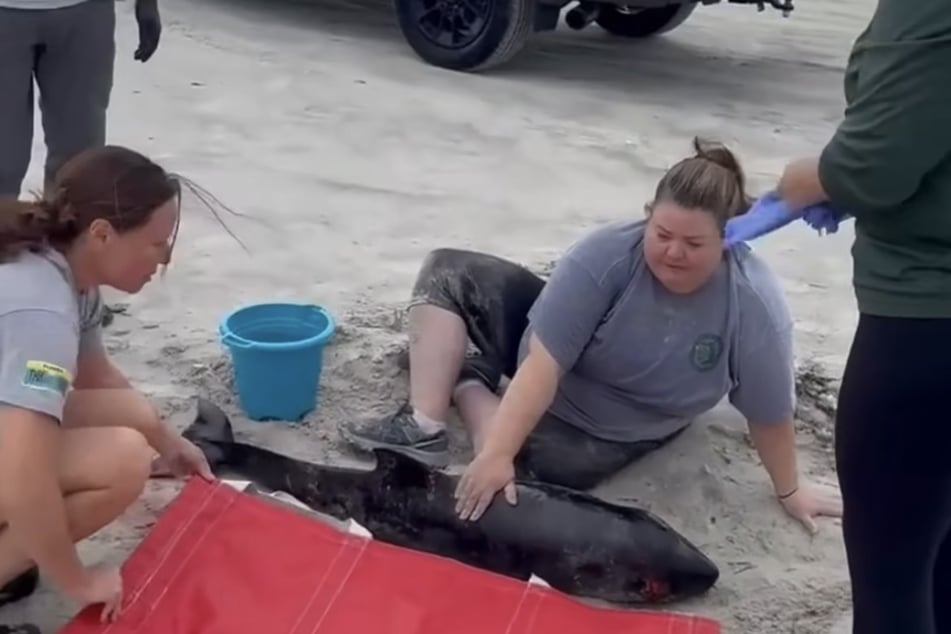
<point>641,326</point>
<point>76,440</point>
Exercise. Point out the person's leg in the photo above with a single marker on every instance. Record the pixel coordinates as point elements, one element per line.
<point>102,471</point>
<point>74,73</point>
<point>559,453</point>
<point>115,408</point>
<point>942,587</point>
<point>891,444</point>
<point>105,462</point>
<point>18,41</point>
<point>458,296</point>
<point>476,404</point>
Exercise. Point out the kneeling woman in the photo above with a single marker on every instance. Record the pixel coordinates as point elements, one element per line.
<point>642,326</point>
<point>76,440</point>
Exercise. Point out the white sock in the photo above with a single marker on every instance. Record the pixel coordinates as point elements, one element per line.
<point>426,423</point>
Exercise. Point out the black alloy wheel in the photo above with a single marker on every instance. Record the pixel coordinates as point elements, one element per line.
<point>465,35</point>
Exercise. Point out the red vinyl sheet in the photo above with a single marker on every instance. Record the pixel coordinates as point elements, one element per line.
<point>224,562</point>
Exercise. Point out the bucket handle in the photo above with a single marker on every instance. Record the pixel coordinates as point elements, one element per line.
<point>230,340</point>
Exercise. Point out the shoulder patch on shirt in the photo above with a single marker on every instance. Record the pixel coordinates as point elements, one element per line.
<point>40,375</point>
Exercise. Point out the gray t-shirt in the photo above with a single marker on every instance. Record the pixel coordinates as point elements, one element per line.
<point>641,361</point>
<point>44,323</point>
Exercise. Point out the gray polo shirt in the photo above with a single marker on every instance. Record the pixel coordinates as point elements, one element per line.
<point>641,361</point>
<point>44,323</point>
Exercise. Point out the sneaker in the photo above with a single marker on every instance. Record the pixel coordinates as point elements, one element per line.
<point>20,587</point>
<point>22,628</point>
<point>401,433</point>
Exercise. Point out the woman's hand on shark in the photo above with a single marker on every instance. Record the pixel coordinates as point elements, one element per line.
<point>182,458</point>
<point>482,479</point>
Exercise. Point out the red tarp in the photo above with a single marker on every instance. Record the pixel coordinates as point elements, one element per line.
<point>223,562</point>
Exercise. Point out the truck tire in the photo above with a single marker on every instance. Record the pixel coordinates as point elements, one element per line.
<point>632,22</point>
<point>466,35</point>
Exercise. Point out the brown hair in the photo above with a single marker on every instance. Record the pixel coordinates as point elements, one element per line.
<point>111,183</point>
<point>710,180</point>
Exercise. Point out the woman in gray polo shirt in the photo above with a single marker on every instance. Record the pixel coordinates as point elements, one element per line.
<point>76,440</point>
<point>642,326</point>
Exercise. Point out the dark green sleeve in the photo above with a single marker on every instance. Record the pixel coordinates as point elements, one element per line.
<point>897,124</point>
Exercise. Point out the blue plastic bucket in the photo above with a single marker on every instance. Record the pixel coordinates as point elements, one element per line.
<point>277,353</point>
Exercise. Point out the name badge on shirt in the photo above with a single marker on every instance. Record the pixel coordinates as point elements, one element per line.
<point>40,375</point>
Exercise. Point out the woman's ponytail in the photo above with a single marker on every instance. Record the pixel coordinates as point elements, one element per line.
<point>27,225</point>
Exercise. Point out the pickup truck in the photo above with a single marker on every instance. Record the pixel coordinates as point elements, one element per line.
<point>475,35</point>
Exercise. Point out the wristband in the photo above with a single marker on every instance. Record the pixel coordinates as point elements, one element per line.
<point>788,495</point>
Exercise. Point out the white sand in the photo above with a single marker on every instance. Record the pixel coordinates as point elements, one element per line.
<point>319,120</point>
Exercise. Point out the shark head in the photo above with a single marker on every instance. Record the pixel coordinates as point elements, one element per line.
<point>671,566</point>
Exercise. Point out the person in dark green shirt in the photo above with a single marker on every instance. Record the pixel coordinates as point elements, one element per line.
<point>888,165</point>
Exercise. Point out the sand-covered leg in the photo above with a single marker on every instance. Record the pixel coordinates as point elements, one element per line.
<point>459,296</point>
<point>559,453</point>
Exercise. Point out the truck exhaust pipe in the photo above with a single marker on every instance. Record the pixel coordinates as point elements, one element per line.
<point>582,15</point>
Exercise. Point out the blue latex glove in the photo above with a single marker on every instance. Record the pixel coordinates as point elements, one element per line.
<point>770,213</point>
<point>766,215</point>
<point>823,218</point>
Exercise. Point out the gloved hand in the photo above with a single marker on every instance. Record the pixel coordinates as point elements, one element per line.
<point>770,213</point>
<point>150,28</point>
<point>823,218</point>
<point>767,214</point>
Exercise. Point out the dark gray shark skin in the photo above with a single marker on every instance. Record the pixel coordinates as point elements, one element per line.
<point>578,543</point>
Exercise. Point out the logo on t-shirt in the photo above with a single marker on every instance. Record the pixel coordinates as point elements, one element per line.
<point>706,352</point>
<point>40,375</point>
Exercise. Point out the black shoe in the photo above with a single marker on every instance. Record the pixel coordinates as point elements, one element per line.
<point>400,432</point>
<point>20,587</point>
<point>22,628</point>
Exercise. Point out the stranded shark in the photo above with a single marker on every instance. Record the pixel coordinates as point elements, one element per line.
<point>574,541</point>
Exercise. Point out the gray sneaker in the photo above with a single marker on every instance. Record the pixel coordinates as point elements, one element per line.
<point>401,433</point>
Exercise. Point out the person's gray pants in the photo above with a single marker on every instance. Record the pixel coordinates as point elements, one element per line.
<point>71,54</point>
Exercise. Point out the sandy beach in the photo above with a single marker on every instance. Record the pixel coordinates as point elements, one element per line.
<point>355,158</point>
